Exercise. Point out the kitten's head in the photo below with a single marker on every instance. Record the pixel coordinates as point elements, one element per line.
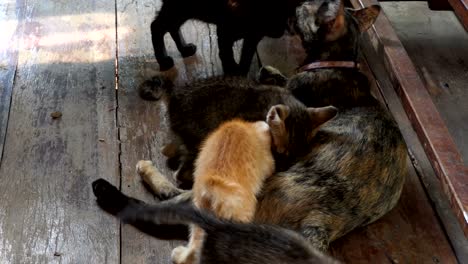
<point>331,32</point>
<point>293,128</point>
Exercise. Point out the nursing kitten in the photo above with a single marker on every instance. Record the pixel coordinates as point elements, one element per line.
<point>200,107</point>
<point>235,19</point>
<point>355,168</point>
<point>230,169</point>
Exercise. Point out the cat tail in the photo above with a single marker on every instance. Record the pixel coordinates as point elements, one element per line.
<point>152,90</point>
<point>170,214</point>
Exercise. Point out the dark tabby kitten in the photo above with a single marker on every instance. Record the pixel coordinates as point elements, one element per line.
<point>225,241</point>
<point>250,20</point>
<point>198,108</point>
<point>355,169</point>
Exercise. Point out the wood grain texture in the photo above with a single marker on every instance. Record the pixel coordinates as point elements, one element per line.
<point>143,125</point>
<point>460,8</point>
<point>411,232</point>
<point>427,122</point>
<point>419,159</point>
<point>407,233</point>
<point>48,212</point>
<point>9,16</point>
<point>438,46</point>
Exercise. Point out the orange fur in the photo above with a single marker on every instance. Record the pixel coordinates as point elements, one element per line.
<point>231,167</point>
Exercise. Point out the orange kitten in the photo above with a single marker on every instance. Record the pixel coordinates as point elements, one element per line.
<point>229,172</point>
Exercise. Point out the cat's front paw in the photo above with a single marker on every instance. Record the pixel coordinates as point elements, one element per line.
<point>143,167</point>
<point>161,187</point>
<point>188,50</point>
<point>148,91</point>
<point>271,76</point>
<point>165,63</point>
<point>182,255</point>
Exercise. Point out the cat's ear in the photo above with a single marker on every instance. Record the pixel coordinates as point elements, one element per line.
<point>331,16</point>
<point>326,16</point>
<point>320,115</point>
<point>275,119</point>
<point>366,16</point>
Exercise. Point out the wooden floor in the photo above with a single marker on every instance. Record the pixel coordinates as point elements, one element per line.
<point>85,59</point>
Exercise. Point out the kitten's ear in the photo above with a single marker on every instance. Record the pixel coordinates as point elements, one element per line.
<point>366,16</point>
<point>321,115</point>
<point>275,119</point>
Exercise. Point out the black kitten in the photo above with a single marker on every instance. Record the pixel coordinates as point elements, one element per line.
<point>235,19</point>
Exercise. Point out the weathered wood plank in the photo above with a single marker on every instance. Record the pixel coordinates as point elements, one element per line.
<point>427,122</point>
<point>419,160</point>
<point>8,61</point>
<point>407,233</point>
<point>460,8</point>
<point>438,46</point>
<point>65,63</point>
<point>410,233</point>
<point>143,125</point>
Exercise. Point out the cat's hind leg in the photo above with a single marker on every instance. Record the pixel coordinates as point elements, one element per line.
<point>185,49</point>
<point>159,27</point>
<point>248,50</point>
<point>225,43</point>
<point>175,152</point>
<point>189,254</point>
<point>158,183</point>
<point>318,236</point>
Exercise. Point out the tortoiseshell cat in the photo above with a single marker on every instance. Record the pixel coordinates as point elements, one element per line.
<point>235,19</point>
<point>354,171</point>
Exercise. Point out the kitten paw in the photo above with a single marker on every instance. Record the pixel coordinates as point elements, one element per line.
<point>188,50</point>
<point>149,90</point>
<point>143,167</point>
<point>165,63</point>
<point>182,255</point>
<point>271,76</point>
<point>161,187</point>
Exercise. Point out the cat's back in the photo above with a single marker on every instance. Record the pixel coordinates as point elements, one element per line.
<point>235,148</point>
<point>209,102</point>
<point>236,152</point>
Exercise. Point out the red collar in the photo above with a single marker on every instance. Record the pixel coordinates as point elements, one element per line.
<point>328,64</point>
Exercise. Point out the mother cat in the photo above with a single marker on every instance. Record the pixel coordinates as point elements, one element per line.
<point>355,169</point>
